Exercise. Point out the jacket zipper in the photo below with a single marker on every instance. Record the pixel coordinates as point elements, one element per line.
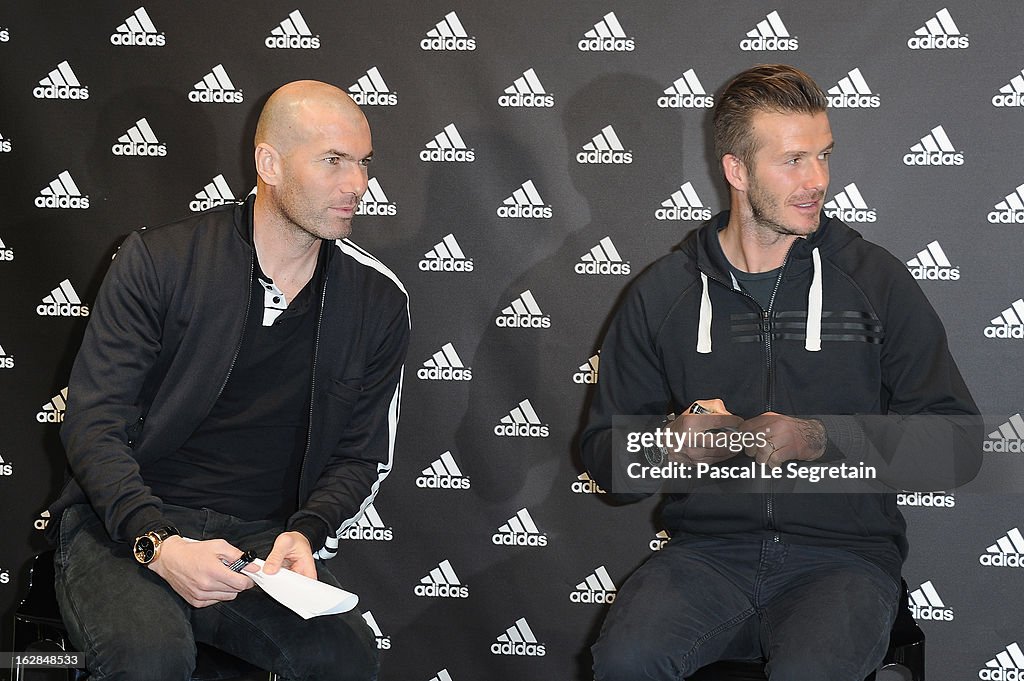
<point>312,387</point>
<point>245,321</point>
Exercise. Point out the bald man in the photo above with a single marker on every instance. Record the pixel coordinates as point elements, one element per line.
<point>237,389</point>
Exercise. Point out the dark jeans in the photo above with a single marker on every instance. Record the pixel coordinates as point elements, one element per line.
<point>132,625</point>
<point>816,614</point>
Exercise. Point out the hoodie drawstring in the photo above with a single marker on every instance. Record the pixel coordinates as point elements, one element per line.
<point>813,339</point>
<point>704,324</point>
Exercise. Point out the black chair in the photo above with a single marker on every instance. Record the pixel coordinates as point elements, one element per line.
<point>906,650</point>
<point>38,628</point>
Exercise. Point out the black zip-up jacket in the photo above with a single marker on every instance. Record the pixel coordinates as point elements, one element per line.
<point>849,338</point>
<point>160,346</point>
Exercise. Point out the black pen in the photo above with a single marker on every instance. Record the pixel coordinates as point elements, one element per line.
<point>239,565</point>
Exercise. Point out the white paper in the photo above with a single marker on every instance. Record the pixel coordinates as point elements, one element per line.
<point>305,596</point>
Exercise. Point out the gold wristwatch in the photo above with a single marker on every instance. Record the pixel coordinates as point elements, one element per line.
<point>147,547</point>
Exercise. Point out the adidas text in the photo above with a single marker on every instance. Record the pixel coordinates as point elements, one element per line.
<point>602,268</point>
<point>442,590</point>
<point>6,469</point>
<point>774,43</point>
<point>368,533</point>
<point>459,44</point>
<point>139,149</point>
<point>40,524</point>
<point>5,35</point>
<point>1012,99</point>
<point>531,649</point>
<point>445,265</point>
<point>445,374</point>
<point>62,310</point>
<point>607,45</point>
<point>854,101</point>
<point>851,214</point>
<point>142,39</point>
<point>523,321</point>
<point>47,416</point>
<point>5,577</point>
<point>62,202</point>
<point>592,596</point>
<point>199,205</point>
<point>588,487</point>
<point>934,158</point>
<point>1001,675</point>
<point>6,254</point>
<point>518,211</point>
<point>926,499</point>
<point>383,643</point>
<point>437,482</point>
<point>688,213</point>
<point>1006,331</point>
<point>927,612</point>
<point>303,42</point>
<point>678,101</point>
<point>216,96</point>
<point>460,155</point>
<point>5,146</point>
<point>6,362</point>
<point>520,430</point>
<point>377,209</point>
<point>585,377</point>
<point>60,92</point>
<point>939,42</point>
<point>1015,560</point>
<point>1006,217</point>
<point>374,98</point>
<point>657,544</point>
<point>936,273</point>
<point>606,156</point>
<point>529,99</point>
<point>510,539</point>
<point>1004,446</point>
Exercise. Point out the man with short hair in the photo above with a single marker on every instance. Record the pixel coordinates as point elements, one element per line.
<point>238,385</point>
<point>778,328</point>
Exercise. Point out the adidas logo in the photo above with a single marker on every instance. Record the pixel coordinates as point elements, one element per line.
<point>1009,437</point>
<point>6,361</point>
<point>523,313</point>
<point>446,256</point>
<point>925,604</point>
<point>448,145</point>
<point>602,259</point>
<point>519,530</point>
<point>932,264</point>
<point>374,201</point>
<point>5,145</point>
<point>926,499</point>
<point>849,206</point>
<point>442,675</point>
<point>605,148</point>
<point>584,484</point>
<point>1008,551</point>
<point>526,91</point>
<point>518,639</point>
<point>1010,210</point>
<point>383,642</point>
<point>686,93</point>
<point>443,474</point>
<point>684,204</point>
<point>293,33</point>
<point>853,92</point>
<point>596,588</point>
<point>442,582</point>
<point>140,140</point>
<point>448,34</point>
<point>934,149</point>
<point>1007,665</point>
<point>939,32</point>
<point>371,90</point>
<point>659,541</point>
<point>6,469</point>
<point>53,411</point>
<point>61,83</point>
<point>138,29</point>
<point>1010,324</point>
<point>62,193</point>
<point>445,365</point>
<point>42,521</point>
<point>606,36</point>
<point>63,301</point>
<point>1011,94</point>
<point>770,34</point>
<point>369,527</point>
<point>6,254</point>
<point>521,422</point>
<point>215,193</point>
<point>216,87</point>
<point>587,374</point>
<point>525,202</point>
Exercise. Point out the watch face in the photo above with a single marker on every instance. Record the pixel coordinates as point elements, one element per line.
<point>144,549</point>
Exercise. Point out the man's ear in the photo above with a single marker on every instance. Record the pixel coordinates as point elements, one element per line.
<point>268,163</point>
<point>735,171</point>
